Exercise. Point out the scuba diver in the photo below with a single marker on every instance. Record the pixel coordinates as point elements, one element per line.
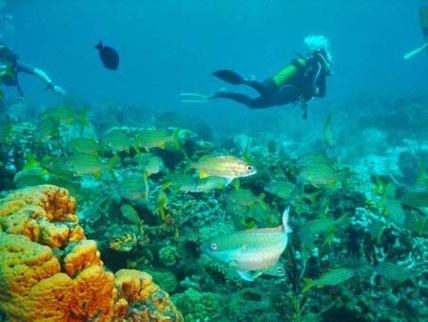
<point>303,79</point>
<point>11,66</point>
<point>424,24</point>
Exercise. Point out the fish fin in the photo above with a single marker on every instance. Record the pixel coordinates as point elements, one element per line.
<point>249,276</point>
<point>229,76</point>
<point>235,183</point>
<point>111,163</point>
<point>99,46</point>
<point>81,117</point>
<point>203,175</point>
<point>308,283</point>
<point>260,200</point>
<point>136,149</point>
<point>174,138</point>
<point>330,236</point>
<point>31,161</point>
<point>285,216</point>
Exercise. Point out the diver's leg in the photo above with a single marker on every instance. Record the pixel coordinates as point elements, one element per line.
<point>285,95</point>
<point>255,84</point>
<point>241,98</point>
<point>265,88</point>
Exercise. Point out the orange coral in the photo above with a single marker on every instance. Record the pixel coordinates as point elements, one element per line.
<point>80,256</point>
<point>96,294</point>
<point>50,272</point>
<point>138,288</point>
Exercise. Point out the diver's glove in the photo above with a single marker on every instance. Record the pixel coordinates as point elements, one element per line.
<point>55,88</point>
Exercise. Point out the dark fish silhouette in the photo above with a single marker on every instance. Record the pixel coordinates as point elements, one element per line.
<point>109,56</point>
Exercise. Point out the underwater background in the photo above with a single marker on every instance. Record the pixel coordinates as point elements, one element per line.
<point>353,174</point>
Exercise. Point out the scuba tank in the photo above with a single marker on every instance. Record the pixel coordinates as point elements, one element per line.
<point>289,72</point>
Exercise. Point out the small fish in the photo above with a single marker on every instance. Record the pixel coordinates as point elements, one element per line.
<point>157,138</point>
<point>319,175</point>
<point>31,177</point>
<point>116,141</point>
<point>109,56</point>
<point>65,115</point>
<point>331,278</point>
<point>328,135</point>
<point>376,228</point>
<point>57,165</point>
<point>245,197</point>
<point>82,164</point>
<point>394,211</point>
<point>227,167</point>
<point>310,229</point>
<point>134,187</point>
<point>313,159</point>
<point>282,189</point>
<point>210,184</point>
<point>416,199</point>
<point>150,164</point>
<point>181,183</point>
<point>393,271</point>
<point>249,251</point>
<point>130,214</point>
<point>276,270</point>
<point>84,145</point>
<point>47,129</point>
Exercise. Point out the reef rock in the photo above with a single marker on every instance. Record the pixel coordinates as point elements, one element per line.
<point>49,271</point>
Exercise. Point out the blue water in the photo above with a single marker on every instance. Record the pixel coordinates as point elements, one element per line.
<point>168,47</point>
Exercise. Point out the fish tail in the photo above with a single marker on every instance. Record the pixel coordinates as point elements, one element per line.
<point>189,163</point>
<point>168,182</point>
<point>174,138</point>
<point>146,187</point>
<point>99,46</point>
<point>81,117</point>
<point>308,284</point>
<point>285,216</point>
<point>260,200</point>
<point>136,147</point>
<point>31,161</point>
<point>111,163</point>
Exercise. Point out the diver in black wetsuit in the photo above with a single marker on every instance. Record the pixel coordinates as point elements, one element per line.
<point>303,79</point>
<point>11,66</point>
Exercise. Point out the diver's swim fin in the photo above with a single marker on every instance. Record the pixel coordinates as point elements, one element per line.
<point>194,98</point>
<point>413,52</point>
<point>229,76</point>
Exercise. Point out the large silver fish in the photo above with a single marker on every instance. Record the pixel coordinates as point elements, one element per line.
<point>250,251</point>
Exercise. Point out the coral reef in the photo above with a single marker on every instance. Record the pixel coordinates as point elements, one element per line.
<point>50,272</point>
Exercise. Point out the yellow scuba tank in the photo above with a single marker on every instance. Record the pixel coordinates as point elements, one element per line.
<point>289,71</point>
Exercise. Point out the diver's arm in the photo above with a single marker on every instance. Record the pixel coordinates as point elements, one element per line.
<point>21,67</point>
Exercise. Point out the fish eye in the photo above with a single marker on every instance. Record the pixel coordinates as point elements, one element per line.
<point>249,168</point>
<point>49,163</point>
<point>213,246</point>
<point>280,270</point>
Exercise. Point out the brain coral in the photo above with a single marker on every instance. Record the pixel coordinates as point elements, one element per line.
<point>50,272</point>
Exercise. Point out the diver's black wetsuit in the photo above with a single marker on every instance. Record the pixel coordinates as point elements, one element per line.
<point>309,81</point>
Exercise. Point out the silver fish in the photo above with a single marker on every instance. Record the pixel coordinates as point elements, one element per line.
<point>250,251</point>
